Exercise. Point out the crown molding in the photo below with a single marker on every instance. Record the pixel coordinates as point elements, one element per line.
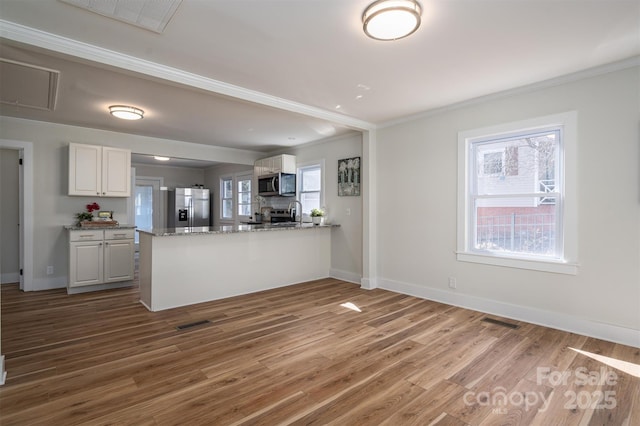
<point>31,36</point>
<point>631,62</point>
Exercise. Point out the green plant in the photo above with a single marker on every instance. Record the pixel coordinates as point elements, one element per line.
<point>88,215</point>
<point>317,213</point>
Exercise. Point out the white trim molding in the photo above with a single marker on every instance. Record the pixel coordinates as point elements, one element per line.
<point>348,276</point>
<point>67,46</point>
<point>556,320</point>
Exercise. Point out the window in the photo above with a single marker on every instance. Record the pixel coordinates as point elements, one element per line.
<point>310,187</point>
<point>244,195</point>
<point>513,198</point>
<point>226,195</point>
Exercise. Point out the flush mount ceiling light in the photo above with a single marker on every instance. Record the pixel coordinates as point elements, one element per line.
<point>126,112</point>
<point>391,19</point>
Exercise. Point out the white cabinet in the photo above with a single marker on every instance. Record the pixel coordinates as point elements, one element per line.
<point>99,171</point>
<point>284,163</point>
<point>100,256</point>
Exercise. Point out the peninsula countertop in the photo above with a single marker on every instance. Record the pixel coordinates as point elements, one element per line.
<point>92,228</point>
<point>230,229</point>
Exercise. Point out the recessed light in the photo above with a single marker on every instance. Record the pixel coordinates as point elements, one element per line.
<point>159,158</point>
<point>338,106</point>
<point>126,112</point>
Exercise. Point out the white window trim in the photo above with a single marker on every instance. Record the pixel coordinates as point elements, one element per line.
<point>306,217</point>
<point>237,178</point>
<point>569,233</point>
<point>233,197</point>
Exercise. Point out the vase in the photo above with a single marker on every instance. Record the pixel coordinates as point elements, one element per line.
<point>317,220</point>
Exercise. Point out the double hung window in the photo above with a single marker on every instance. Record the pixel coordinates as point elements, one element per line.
<point>310,187</point>
<point>512,200</point>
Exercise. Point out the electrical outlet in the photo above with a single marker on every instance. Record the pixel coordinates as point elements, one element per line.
<point>348,212</point>
<point>49,270</point>
<point>452,282</point>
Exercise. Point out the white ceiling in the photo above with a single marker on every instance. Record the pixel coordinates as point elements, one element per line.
<point>268,74</point>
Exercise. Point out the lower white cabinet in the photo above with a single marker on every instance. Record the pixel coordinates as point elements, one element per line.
<point>99,256</point>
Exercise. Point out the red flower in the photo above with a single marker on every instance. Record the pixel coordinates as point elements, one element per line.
<point>92,207</point>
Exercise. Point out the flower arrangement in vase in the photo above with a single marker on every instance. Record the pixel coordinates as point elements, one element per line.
<point>88,215</point>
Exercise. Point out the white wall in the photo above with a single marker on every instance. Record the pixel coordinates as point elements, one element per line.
<point>416,176</point>
<point>346,241</point>
<point>174,177</point>
<point>9,211</point>
<point>52,208</point>
<point>212,177</point>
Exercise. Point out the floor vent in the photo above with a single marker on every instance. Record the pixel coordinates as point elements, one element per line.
<point>192,324</point>
<point>500,323</point>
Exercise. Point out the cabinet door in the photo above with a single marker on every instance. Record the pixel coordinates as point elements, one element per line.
<point>276,164</point>
<point>85,263</point>
<point>288,163</point>
<point>116,172</point>
<point>118,260</point>
<point>85,170</point>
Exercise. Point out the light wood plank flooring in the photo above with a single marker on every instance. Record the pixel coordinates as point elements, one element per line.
<point>295,355</point>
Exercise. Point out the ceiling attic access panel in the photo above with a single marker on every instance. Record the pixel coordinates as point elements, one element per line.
<point>28,86</point>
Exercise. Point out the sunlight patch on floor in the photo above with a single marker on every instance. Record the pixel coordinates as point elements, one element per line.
<point>624,366</point>
<point>350,305</point>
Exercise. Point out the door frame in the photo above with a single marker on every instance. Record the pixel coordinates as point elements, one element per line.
<point>156,182</point>
<point>26,209</point>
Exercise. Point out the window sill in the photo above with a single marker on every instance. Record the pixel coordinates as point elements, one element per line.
<point>558,267</point>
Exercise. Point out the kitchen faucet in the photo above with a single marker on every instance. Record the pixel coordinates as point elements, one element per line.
<point>293,203</point>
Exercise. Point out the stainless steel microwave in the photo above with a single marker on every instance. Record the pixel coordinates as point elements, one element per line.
<point>277,184</point>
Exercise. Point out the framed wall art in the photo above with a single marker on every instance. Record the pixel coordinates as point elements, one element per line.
<point>349,177</point>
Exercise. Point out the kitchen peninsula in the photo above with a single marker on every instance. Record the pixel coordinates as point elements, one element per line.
<point>183,266</point>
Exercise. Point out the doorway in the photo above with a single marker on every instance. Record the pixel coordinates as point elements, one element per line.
<point>25,210</point>
<point>148,204</point>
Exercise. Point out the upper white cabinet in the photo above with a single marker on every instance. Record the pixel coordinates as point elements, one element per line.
<point>284,163</point>
<point>99,171</point>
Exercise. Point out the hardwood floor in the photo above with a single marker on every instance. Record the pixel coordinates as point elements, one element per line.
<point>295,355</point>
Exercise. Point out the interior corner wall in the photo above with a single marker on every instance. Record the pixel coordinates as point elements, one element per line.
<point>417,197</point>
<point>346,240</point>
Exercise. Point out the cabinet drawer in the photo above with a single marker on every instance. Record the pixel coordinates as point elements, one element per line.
<point>118,234</point>
<point>88,235</point>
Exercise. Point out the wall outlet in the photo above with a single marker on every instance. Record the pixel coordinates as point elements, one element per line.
<point>452,282</point>
<point>49,270</point>
<point>348,212</point>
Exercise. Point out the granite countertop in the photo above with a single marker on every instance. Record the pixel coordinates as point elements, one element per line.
<point>89,228</point>
<point>230,229</point>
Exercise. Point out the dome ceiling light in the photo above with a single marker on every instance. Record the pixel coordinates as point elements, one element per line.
<point>391,19</point>
<point>126,112</point>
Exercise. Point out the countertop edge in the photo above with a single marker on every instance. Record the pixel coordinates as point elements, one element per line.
<point>230,229</point>
<point>91,228</point>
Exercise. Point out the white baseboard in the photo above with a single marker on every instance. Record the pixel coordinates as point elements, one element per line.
<point>368,283</point>
<point>339,274</point>
<point>10,277</point>
<point>560,321</point>
<point>98,287</point>
<point>3,373</point>
<point>49,283</point>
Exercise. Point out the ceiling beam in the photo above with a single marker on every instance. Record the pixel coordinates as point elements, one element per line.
<point>31,36</point>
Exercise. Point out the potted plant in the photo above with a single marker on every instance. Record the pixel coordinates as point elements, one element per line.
<point>316,216</point>
<point>88,215</point>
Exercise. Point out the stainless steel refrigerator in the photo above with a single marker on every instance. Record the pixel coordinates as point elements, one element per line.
<point>188,207</point>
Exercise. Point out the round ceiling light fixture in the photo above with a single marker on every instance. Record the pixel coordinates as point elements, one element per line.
<point>391,19</point>
<point>126,112</point>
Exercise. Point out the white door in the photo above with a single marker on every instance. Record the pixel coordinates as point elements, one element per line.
<point>148,204</point>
